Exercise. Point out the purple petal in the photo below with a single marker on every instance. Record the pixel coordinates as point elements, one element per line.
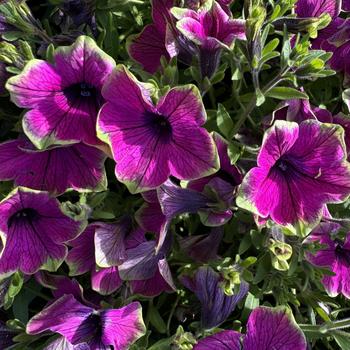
<point>216,306</point>
<point>141,262</point>
<point>225,340</point>
<point>6,336</point>
<point>150,216</point>
<point>35,229</point>
<point>315,8</point>
<point>56,170</point>
<point>148,47</point>
<point>62,343</point>
<point>106,281</point>
<point>123,326</point>
<point>273,328</point>
<point>66,317</point>
<point>175,200</point>
<point>81,258</point>
<point>109,243</point>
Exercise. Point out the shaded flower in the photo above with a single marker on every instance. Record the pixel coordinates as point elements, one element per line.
<point>149,143</point>
<point>56,169</point>
<point>203,248</point>
<point>6,336</point>
<point>295,161</point>
<point>346,5</point>
<point>63,97</point>
<point>61,343</point>
<point>82,324</point>
<point>267,328</point>
<point>335,255</point>
<point>33,230</point>
<point>212,205</point>
<point>211,29</point>
<point>81,11</point>
<point>149,46</point>
<point>328,38</point>
<point>216,306</point>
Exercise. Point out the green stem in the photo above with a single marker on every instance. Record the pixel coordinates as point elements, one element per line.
<point>37,293</point>
<point>171,315</point>
<point>246,112</point>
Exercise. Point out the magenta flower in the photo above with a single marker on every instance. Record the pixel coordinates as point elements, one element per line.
<point>56,169</point>
<point>33,230</point>
<point>100,329</point>
<point>63,98</point>
<point>335,255</point>
<point>149,143</point>
<point>267,328</point>
<point>211,29</point>
<point>294,161</point>
<point>216,306</point>
<point>346,5</point>
<point>148,47</point>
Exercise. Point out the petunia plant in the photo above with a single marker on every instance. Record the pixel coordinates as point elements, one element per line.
<point>174,175</point>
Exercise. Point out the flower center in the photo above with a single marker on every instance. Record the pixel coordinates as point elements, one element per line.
<point>23,215</point>
<point>342,254</point>
<point>160,125</point>
<point>282,165</point>
<point>78,90</point>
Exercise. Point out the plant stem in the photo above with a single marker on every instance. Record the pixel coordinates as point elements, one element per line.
<point>171,315</point>
<point>246,112</point>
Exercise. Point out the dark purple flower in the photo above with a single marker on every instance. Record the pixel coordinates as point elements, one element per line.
<point>151,142</point>
<point>56,169</point>
<point>82,324</point>
<point>268,328</point>
<point>212,29</point>
<point>65,97</point>
<point>335,255</point>
<point>216,306</point>
<point>33,231</point>
<point>81,11</point>
<point>294,162</point>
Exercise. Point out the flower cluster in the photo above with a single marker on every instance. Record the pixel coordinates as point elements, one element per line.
<point>174,174</point>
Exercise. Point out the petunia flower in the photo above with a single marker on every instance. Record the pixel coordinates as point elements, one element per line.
<point>216,306</point>
<point>63,344</point>
<point>63,98</point>
<point>56,169</point>
<point>346,5</point>
<point>335,255</point>
<point>267,328</point>
<point>148,47</point>
<point>212,29</point>
<point>151,142</point>
<point>82,324</point>
<point>294,162</point>
<point>33,230</point>
<point>335,37</point>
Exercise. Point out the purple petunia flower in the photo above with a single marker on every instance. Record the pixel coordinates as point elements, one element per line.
<point>55,169</point>
<point>267,328</point>
<point>216,306</point>
<point>335,37</point>
<point>63,98</point>
<point>82,324</point>
<point>335,255</point>
<point>149,143</point>
<point>294,162</point>
<point>148,47</point>
<point>211,29</point>
<point>33,230</point>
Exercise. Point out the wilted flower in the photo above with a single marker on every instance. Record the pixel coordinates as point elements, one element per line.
<point>82,324</point>
<point>63,98</point>
<point>149,143</point>
<point>267,328</point>
<point>216,306</point>
<point>55,169</point>
<point>33,226</point>
<point>294,161</point>
<point>335,255</point>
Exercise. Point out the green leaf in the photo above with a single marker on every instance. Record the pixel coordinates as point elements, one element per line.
<point>342,339</point>
<point>286,93</point>
<point>156,320</point>
<point>224,122</point>
<point>251,302</point>
<point>164,344</point>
